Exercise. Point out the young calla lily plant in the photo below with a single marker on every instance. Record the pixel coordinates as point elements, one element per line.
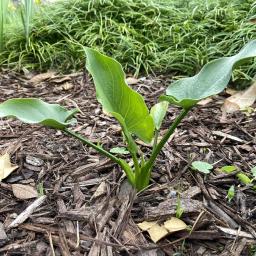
<point>129,109</point>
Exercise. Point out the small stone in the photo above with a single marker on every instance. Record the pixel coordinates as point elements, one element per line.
<point>34,161</point>
<point>172,194</point>
<point>97,111</point>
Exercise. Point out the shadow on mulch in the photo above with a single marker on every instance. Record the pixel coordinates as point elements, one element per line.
<point>87,208</point>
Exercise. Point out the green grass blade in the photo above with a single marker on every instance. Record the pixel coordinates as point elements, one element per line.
<point>3,14</point>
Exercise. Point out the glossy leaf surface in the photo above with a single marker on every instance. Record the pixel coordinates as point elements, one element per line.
<point>201,166</point>
<point>33,111</point>
<point>117,98</point>
<point>211,80</point>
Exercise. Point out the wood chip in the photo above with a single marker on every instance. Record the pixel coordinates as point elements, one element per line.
<point>27,212</point>
<point>168,208</point>
<point>100,191</point>
<point>234,232</point>
<point>225,135</point>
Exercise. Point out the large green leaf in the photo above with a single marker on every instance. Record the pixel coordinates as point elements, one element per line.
<point>211,80</point>
<point>34,111</point>
<point>117,98</point>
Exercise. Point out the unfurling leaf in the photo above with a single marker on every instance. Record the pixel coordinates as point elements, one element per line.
<point>202,166</point>
<point>231,193</point>
<point>116,97</point>
<point>6,168</point>
<point>211,80</point>
<point>33,111</point>
<point>158,112</point>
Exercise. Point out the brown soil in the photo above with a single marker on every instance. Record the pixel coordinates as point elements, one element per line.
<point>88,208</point>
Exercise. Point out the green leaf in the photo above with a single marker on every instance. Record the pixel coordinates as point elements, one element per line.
<point>117,98</point>
<point>158,112</point>
<point>240,176</point>
<point>202,166</point>
<point>228,168</point>
<point>243,178</point>
<point>211,80</point>
<point>119,150</point>
<point>33,111</point>
<point>231,193</point>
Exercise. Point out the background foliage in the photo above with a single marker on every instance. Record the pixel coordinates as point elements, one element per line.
<point>144,35</point>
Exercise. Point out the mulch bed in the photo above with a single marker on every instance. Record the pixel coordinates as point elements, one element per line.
<point>88,208</point>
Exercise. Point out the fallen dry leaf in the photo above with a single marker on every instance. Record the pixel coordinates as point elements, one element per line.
<point>157,232</point>
<point>230,91</point>
<point>60,80</point>
<point>146,225</point>
<point>6,168</point>
<point>174,225</point>
<point>205,101</point>
<point>132,80</point>
<point>240,100</point>
<point>41,77</point>
<point>24,191</point>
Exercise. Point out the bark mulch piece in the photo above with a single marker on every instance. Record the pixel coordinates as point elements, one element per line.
<point>87,207</point>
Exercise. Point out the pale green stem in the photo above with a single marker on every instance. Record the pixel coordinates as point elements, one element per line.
<point>120,162</point>
<point>146,170</point>
<point>170,131</point>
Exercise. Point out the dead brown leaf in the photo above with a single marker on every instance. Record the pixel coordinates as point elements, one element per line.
<point>204,101</point>
<point>41,77</point>
<point>174,224</point>
<point>24,191</point>
<point>132,80</point>
<point>6,168</point>
<point>60,80</point>
<point>157,231</point>
<point>240,100</point>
